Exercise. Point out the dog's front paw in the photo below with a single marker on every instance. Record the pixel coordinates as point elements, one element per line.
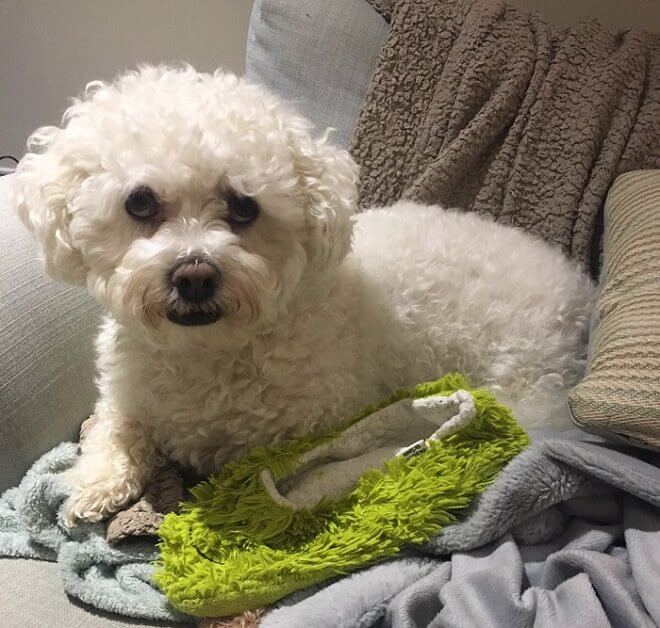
<point>95,502</point>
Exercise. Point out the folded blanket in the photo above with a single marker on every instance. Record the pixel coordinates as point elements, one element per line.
<point>115,579</point>
<point>478,105</point>
<point>568,535</point>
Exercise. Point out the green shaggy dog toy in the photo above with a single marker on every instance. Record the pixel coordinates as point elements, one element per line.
<point>284,518</point>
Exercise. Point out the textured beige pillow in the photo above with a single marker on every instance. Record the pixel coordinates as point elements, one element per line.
<point>620,395</point>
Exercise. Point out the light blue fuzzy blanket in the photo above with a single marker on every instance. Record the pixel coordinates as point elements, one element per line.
<point>114,579</point>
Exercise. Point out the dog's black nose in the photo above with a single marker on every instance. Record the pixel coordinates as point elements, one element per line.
<point>195,280</point>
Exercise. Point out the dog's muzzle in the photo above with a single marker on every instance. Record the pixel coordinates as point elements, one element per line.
<point>195,280</point>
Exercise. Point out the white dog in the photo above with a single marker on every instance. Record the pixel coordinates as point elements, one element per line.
<point>244,303</point>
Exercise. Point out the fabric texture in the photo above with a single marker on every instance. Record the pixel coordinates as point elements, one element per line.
<point>143,518</point>
<point>620,395</point>
<point>567,535</point>
<point>319,56</point>
<point>118,580</point>
<point>478,105</point>
<point>46,352</point>
<point>236,547</point>
<point>248,619</point>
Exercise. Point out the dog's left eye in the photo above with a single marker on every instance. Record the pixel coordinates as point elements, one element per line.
<point>242,210</point>
<point>142,203</point>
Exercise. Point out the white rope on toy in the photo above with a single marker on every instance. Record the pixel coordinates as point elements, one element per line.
<point>453,413</point>
<point>341,467</point>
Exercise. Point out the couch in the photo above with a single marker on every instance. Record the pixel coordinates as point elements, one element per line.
<point>319,55</point>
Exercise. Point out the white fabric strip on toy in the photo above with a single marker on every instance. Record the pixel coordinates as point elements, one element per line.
<point>333,468</point>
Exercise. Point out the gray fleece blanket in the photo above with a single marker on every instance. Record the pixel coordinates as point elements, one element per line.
<point>568,535</point>
<point>479,105</point>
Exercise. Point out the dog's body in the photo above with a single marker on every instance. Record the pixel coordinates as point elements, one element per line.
<point>284,331</point>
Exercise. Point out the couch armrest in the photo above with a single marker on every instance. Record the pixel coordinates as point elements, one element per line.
<point>46,352</point>
<point>319,55</point>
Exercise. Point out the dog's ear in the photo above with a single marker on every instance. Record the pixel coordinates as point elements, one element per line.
<point>328,178</point>
<point>43,185</point>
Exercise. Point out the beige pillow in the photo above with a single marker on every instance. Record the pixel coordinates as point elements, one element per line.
<point>620,396</point>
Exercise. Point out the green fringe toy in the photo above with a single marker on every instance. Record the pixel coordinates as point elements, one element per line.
<point>287,517</point>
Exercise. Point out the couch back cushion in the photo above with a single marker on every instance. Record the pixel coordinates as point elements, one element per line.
<point>319,55</point>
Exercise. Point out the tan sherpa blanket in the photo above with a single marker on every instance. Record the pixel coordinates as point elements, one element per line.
<point>478,105</point>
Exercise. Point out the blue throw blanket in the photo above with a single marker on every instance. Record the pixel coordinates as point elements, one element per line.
<point>115,579</point>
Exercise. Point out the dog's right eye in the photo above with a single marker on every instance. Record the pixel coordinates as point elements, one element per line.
<point>142,204</point>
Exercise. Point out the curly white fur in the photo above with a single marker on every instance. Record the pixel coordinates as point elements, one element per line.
<point>311,330</point>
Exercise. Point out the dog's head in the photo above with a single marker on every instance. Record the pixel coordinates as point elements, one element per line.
<point>183,199</point>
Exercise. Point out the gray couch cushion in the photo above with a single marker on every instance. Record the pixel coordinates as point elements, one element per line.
<point>31,596</point>
<point>46,352</point>
<point>317,54</point>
